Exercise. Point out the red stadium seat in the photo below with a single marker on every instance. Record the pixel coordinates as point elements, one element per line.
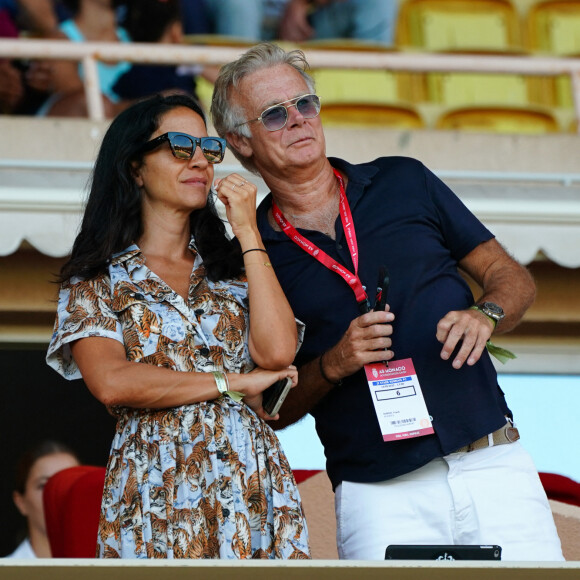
<point>561,488</point>
<point>72,505</point>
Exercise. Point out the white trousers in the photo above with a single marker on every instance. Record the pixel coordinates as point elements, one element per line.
<point>488,496</point>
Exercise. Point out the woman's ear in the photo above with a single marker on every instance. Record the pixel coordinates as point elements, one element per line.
<point>19,502</point>
<point>136,174</point>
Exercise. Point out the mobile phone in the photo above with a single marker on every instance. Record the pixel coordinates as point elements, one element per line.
<point>442,552</point>
<point>274,395</point>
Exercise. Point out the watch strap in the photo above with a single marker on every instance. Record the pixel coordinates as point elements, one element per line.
<point>479,309</point>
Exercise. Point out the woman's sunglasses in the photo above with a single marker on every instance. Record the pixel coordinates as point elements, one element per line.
<point>183,146</point>
<point>275,117</point>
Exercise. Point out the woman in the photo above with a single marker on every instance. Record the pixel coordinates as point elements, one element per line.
<point>33,470</point>
<point>91,21</point>
<point>154,280</point>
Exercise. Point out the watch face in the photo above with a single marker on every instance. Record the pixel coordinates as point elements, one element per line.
<point>493,310</point>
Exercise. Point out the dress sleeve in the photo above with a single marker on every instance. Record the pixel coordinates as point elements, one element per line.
<point>84,309</point>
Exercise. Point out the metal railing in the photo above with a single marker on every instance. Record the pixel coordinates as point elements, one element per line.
<point>90,52</point>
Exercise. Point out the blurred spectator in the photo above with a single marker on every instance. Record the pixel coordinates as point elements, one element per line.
<point>11,86</point>
<point>301,20</point>
<point>194,17</point>
<point>33,470</point>
<point>40,17</point>
<point>93,20</point>
<point>372,20</point>
<point>23,84</point>
<point>155,21</point>
<point>11,83</point>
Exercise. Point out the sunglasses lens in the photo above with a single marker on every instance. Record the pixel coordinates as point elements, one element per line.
<point>275,118</point>
<point>212,149</point>
<point>182,146</point>
<point>308,106</point>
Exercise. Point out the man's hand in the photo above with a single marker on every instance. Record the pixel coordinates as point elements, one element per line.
<point>471,327</point>
<point>503,281</point>
<point>366,341</point>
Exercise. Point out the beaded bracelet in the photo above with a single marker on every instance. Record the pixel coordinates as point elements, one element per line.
<point>223,386</point>
<point>323,374</point>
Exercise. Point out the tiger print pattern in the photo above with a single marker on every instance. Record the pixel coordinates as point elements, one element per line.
<point>207,480</point>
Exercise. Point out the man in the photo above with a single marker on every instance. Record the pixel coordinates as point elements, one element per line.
<point>459,476</point>
<point>302,20</point>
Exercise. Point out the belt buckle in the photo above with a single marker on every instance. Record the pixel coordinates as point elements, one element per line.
<point>511,433</point>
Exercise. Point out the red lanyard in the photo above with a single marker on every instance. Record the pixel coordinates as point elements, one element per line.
<point>346,217</point>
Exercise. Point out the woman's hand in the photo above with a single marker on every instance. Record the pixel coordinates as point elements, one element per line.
<point>239,198</point>
<point>253,384</point>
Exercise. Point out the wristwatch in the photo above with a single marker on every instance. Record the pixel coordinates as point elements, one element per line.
<point>491,310</point>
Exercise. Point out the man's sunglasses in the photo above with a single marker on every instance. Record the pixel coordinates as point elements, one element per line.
<point>275,117</point>
<point>183,146</point>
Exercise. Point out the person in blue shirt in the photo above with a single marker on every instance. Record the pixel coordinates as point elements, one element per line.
<point>90,22</point>
<point>330,226</point>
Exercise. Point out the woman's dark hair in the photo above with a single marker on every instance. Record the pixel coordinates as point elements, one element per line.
<point>32,455</point>
<point>147,20</point>
<point>112,218</point>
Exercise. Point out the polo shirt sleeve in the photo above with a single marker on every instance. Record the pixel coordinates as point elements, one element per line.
<point>84,309</point>
<point>462,230</point>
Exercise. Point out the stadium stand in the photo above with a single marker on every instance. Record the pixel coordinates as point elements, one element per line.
<point>371,115</point>
<point>447,25</point>
<point>492,27</point>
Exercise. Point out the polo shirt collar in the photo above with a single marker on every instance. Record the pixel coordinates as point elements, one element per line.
<point>359,177</point>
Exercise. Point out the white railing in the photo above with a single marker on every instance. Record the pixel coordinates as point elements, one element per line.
<point>90,52</point>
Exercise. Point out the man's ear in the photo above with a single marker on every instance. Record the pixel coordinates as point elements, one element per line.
<point>240,143</point>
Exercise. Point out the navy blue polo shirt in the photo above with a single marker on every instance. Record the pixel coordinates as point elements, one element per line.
<point>410,221</point>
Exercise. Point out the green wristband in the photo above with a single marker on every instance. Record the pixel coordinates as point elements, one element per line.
<point>501,354</point>
<point>223,386</point>
<point>476,307</point>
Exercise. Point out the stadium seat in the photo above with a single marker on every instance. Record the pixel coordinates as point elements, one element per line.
<point>217,40</point>
<point>523,6</point>
<point>367,86</point>
<point>456,89</point>
<point>451,25</point>
<point>561,488</point>
<point>478,27</point>
<point>72,505</point>
<point>553,27</point>
<point>367,115</point>
<point>499,120</point>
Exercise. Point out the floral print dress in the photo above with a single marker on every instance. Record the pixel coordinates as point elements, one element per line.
<point>207,480</point>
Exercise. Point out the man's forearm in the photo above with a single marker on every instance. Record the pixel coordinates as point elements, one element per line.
<point>311,389</point>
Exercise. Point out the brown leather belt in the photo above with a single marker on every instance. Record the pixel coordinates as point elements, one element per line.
<point>507,434</point>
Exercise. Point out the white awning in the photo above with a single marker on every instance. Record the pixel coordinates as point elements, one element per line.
<point>41,203</point>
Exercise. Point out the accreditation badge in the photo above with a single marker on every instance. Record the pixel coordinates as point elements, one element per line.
<point>398,400</point>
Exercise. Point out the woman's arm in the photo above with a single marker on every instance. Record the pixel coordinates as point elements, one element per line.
<point>115,381</point>
<point>273,335</point>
